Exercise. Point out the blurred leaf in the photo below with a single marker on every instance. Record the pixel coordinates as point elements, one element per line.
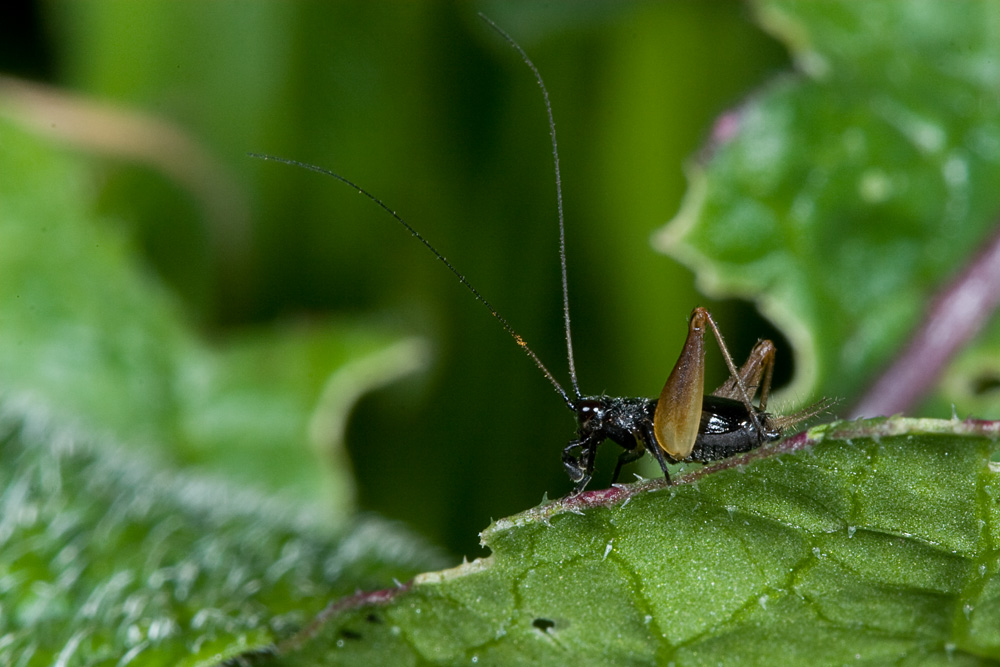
<point>109,556</point>
<point>843,198</point>
<point>972,382</point>
<point>108,548</point>
<point>873,541</point>
<point>99,343</point>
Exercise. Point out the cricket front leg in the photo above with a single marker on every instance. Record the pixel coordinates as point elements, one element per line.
<point>626,457</point>
<point>580,467</point>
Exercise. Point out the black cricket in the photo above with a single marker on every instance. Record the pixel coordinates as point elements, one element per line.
<point>682,424</point>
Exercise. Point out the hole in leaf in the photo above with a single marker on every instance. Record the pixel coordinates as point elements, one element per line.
<point>985,384</point>
<point>350,634</point>
<point>374,619</point>
<point>543,624</point>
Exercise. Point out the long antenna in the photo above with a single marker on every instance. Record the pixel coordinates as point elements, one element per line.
<point>559,198</point>
<point>516,336</point>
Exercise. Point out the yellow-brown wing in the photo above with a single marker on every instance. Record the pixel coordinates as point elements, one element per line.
<point>678,410</point>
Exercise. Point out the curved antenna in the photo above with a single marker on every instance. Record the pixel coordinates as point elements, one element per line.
<point>516,336</point>
<point>559,198</point>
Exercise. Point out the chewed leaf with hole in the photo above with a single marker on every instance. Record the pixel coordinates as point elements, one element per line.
<point>870,540</point>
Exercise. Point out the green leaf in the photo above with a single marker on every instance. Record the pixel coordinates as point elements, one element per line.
<point>114,548</point>
<point>843,198</point>
<point>94,338</point>
<point>873,541</point>
<point>108,554</point>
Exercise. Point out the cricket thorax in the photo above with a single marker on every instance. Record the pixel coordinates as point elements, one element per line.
<point>617,419</point>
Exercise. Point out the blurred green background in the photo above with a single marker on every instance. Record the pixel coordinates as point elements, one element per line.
<point>427,108</point>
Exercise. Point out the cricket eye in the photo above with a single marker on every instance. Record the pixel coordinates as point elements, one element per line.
<point>589,410</point>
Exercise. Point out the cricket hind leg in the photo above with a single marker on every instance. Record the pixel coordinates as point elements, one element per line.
<point>739,388</point>
<point>756,374</point>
